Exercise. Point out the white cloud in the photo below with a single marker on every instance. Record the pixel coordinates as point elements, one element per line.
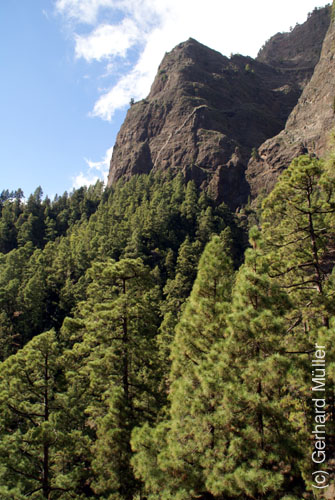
<point>133,85</point>
<point>106,41</point>
<point>96,170</point>
<point>103,165</point>
<point>83,180</point>
<point>87,11</point>
<point>156,26</point>
<point>82,11</point>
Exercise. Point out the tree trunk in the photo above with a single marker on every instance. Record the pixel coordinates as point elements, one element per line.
<point>46,479</point>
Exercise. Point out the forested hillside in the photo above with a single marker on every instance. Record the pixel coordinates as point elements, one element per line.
<point>151,349</point>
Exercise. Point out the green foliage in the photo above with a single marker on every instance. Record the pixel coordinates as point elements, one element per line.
<point>188,433</point>
<point>148,217</point>
<point>254,154</point>
<point>30,384</point>
<point>142,358</point>
<point>256,439</point>
<point>114,375</point>
<point>298,221</point>
<point>39,221</point>
<point>248,69</point>
<point>299,217</point>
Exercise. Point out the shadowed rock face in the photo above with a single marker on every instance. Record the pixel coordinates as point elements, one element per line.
<point>300,49</point>
<point>205,113</point>
<point>307,129</point>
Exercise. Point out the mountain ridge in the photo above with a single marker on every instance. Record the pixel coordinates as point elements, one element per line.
<point>206,114</point>
<point>307,129</point>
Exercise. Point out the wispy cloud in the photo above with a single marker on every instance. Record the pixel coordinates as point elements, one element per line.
<point>156,26</point>
<point>96,170</point>
<point>83,179</point>
<point>82,11</point>
<point>107,41</point>
<point>45,14</point>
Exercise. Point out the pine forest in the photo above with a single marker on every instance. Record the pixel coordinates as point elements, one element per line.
<point>155,345</point>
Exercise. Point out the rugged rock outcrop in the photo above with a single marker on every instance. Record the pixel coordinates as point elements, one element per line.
<point>307,129</point>
<point>299,50</point>
<point>206,113</point>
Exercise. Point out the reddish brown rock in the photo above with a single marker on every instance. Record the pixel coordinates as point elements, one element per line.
<point>299,49</point>
<point>307,129</point>
<point>204,115</point>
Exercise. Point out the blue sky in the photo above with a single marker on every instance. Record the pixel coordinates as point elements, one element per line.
<point>70,67</point>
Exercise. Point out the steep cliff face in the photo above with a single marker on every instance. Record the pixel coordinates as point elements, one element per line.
<point>300,49</point>
<point>308,126</point>
<point>204,115</point>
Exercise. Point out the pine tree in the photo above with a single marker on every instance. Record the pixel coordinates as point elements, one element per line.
<point>299,229</point>
<point>176,291</point>
<point>188,432</point>
<point>206,225</point>
<point>114,367</point>
<point>13,270</point>
<point>189,207</point>
<point>30,435</point>
<point>257,445</point>
<point>8,232</point>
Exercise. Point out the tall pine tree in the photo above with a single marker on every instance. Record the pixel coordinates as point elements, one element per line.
<point>170,457</point>
<point>33,420</point>
<point>114,376</point>
<point>256,446</point>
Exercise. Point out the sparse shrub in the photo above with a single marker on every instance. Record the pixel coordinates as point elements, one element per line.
<point>254,154</point>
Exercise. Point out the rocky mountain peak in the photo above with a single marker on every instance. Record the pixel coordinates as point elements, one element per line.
<point>301,47</point>
<point>205,113</point>
<point>308,126</point>
<point>189,60</point>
